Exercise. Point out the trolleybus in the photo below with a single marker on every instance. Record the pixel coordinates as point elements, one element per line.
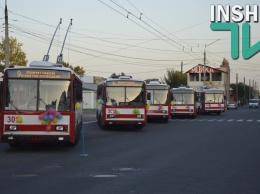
<point>40,103</point>
<point>121,100</point>
<point>184,102</point>
<point>158,100</point>
<point>210,101</point>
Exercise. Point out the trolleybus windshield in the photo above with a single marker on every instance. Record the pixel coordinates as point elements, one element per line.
<point>33,95</point>
<point>119,96</point>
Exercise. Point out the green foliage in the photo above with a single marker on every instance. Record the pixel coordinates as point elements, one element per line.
<point>17,56</point>
<point>241,92</point>
<point>78,70</point>
<point>175,78</point>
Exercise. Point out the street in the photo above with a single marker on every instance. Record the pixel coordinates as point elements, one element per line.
<point>209,154</point>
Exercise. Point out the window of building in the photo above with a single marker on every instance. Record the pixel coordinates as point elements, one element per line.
<point>216,76</point>
<point>207,76</point>
<point>194,77</point>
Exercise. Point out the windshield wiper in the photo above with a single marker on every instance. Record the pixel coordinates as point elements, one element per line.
<point>157,100</point>
<point>42,101</point>
<point>16,108</point>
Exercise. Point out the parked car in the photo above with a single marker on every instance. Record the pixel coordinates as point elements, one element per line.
<point>232,105</point>
<point>253,103</point>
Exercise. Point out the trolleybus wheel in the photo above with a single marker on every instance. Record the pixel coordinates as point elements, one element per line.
<point>76,136</point>
<point>165,120</point>
<point>199,111</point>
<point>102,126</point>
<point>138,127</point>
<point>15,144</point>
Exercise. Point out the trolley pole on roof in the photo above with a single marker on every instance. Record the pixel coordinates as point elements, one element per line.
<point>59,58</point>
<point>46,57</point>
<point>7,56</point>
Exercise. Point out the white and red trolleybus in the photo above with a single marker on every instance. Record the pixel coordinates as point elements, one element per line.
<point>121,100</point>
<point>184,102</point>
<point>210,101</point>
<point>40,103</point>
<point>158,100</point>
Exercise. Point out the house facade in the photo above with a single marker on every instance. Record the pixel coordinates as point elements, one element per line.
<point>210,77</point>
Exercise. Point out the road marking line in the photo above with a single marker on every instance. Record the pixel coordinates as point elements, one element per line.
<point>230,120</point>
<point>249,120</point>
<point>240,120</point>
<point>89,122</point>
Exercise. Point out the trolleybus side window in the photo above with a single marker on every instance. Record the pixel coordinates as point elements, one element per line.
<point>78,91</point>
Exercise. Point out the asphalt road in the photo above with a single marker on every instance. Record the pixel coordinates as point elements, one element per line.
<point>209,154</point>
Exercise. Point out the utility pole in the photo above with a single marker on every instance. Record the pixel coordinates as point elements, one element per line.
<point>253,89</point>
<point>249,92</point>
<point>244,88</point>
<point>204,61</point>
<point>7,57</point>
<point>181,66</point>
<point>237,86</point>
<point>204,69</point>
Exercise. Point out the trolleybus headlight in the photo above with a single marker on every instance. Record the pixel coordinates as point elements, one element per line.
<point>59,128</point>
<point>13,128</point>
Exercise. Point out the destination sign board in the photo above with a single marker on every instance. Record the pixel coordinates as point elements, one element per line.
<point>125,83</point>
<point>38,74</point>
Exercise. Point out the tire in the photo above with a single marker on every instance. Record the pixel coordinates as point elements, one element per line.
<point>199,111</point>
<point>15,144</point>
<point>165,120</point>
<point>76,136</point>
<point>138,127</point>
<point>102,126</point>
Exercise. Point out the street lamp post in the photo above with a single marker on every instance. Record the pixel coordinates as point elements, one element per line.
<point>6,37</point>
<point>204,61</point>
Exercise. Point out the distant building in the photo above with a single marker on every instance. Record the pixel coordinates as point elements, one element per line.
<point>90,91</point>
<point>214,77</point>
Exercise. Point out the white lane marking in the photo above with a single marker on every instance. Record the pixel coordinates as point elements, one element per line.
<point>240,120</point>
<point>89,122</point>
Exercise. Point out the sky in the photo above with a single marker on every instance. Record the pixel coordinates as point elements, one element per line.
<point>142,38</point>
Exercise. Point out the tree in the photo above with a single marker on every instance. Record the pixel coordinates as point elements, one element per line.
<point>243,92</point>
<point>175,78</point>
<point>78,70</point>
<point>17,56</point>
<point>67,65</point>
